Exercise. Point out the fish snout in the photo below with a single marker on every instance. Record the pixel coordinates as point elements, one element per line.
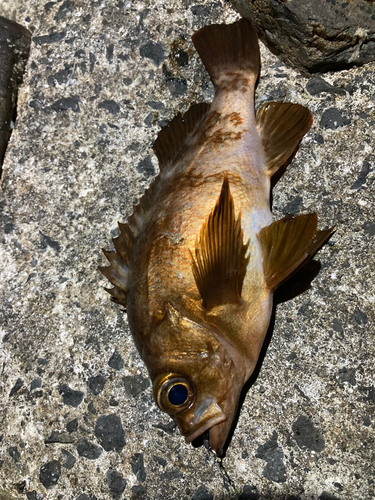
<point>198,419</point>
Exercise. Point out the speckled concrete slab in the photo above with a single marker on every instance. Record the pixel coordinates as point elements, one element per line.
<point>77,417</point>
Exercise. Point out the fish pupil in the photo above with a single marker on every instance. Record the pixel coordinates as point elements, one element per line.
<point>178,394</point>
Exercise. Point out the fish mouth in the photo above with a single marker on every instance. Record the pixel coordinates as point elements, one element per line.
<point>195,433</point>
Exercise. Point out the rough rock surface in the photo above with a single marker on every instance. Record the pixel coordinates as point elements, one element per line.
<point>316,35</point>
<point>14,51</point>
<point>77,419</point>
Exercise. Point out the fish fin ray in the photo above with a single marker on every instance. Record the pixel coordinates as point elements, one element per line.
<point>225,48</point>
<point>287,244</point>
<point>175,137</point>
<point>282,126</point>
<point>219,259</point>
<point>120,258</point>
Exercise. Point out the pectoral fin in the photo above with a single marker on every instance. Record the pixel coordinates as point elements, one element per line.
<point>282,126</point>
<point>219,263</point>
<point>287,244</point>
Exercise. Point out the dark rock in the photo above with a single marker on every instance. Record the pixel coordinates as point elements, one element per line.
<point>249,493</point>
<point>35,384</point>
<point>88,450</point>
<point>116,362</point>
<point>146,167</point>
<point>17,386</point>
<point>149,119</point>
<point>109,433</point>
<point>96,384</point>
<point>360,317</point>
<point>59,437</point>
<point>49,473</point>
<point>369,394</point>
<point>64,9</point>
<point>31,495</point>
<point>159,106</point>
<point>67,103</point>
<point>171,475</point>
<point>177,86</point>
<point>318,138</point>
<point>274,457</point>
<point>138,467</point>
<point>14,52</point>
<point>337,326</point>
<point>14,453</point>
<point>91,408</point>
<point>68,459</point>
<point>203,493</point>
<point>72,426</point>
<point>46,241</point>
<point>153,51</point>
<point>71,397</point>
<point>182,58</point>
<point>361,179</point>
<point>307,435</point>
<point>135,384</point>
<point>116,483</point>
<point>169,428</point>
<point>314,36</point>
<point>160,460</point>
<point>51,38</point>
<point>294,206</point>
<point>327,496</point>
<point>333,119</point>
<point>109,52</point>
<point>369,228</point>
<point>347,375</point>
<point>110,105</point>
<point>139,492</point>
<point>317,85</point>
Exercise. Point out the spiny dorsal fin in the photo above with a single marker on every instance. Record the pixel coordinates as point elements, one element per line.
<point>282,126</point>
<point>219,263</point>
<point>174,137</point>
<point>287,244</point>
<point>120,258</point>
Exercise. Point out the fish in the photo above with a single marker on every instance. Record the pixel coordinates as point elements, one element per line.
<point>197,263</point>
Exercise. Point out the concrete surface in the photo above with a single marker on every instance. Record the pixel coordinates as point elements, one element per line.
<point>77,417</point>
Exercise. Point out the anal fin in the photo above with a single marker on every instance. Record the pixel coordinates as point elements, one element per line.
<point>287,244</point>
<point>219,261</point>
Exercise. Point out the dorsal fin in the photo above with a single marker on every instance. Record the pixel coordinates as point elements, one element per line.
<point>175,136</point>
<point>287,244</point>
<point>282,126</point>
<point>219,263</point>
<point>120,258</point>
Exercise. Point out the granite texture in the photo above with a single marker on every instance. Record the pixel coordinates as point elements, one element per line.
<point>77,419</point>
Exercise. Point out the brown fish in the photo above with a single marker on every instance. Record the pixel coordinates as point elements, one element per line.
<point>197,263</point>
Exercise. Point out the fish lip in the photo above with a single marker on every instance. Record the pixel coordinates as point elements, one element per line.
<point>198,431</point>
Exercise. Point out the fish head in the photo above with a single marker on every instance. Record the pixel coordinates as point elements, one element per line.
<point>196,379</point>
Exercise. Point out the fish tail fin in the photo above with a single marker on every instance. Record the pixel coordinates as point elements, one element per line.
<point>227,50</point>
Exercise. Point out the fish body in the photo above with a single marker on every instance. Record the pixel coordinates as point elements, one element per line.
<point>198,261</point>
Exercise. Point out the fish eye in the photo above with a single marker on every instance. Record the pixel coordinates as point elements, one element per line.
<point>177,394</point>
<point>173,393</point>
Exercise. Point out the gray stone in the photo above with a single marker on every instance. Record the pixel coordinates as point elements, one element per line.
<point>273,454</point>
<point>315,36</point>
<point>109,433</point>
<point>307,434</point>
<point>59,179</point>
<point>116,483</point>
<point>50,473</point>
